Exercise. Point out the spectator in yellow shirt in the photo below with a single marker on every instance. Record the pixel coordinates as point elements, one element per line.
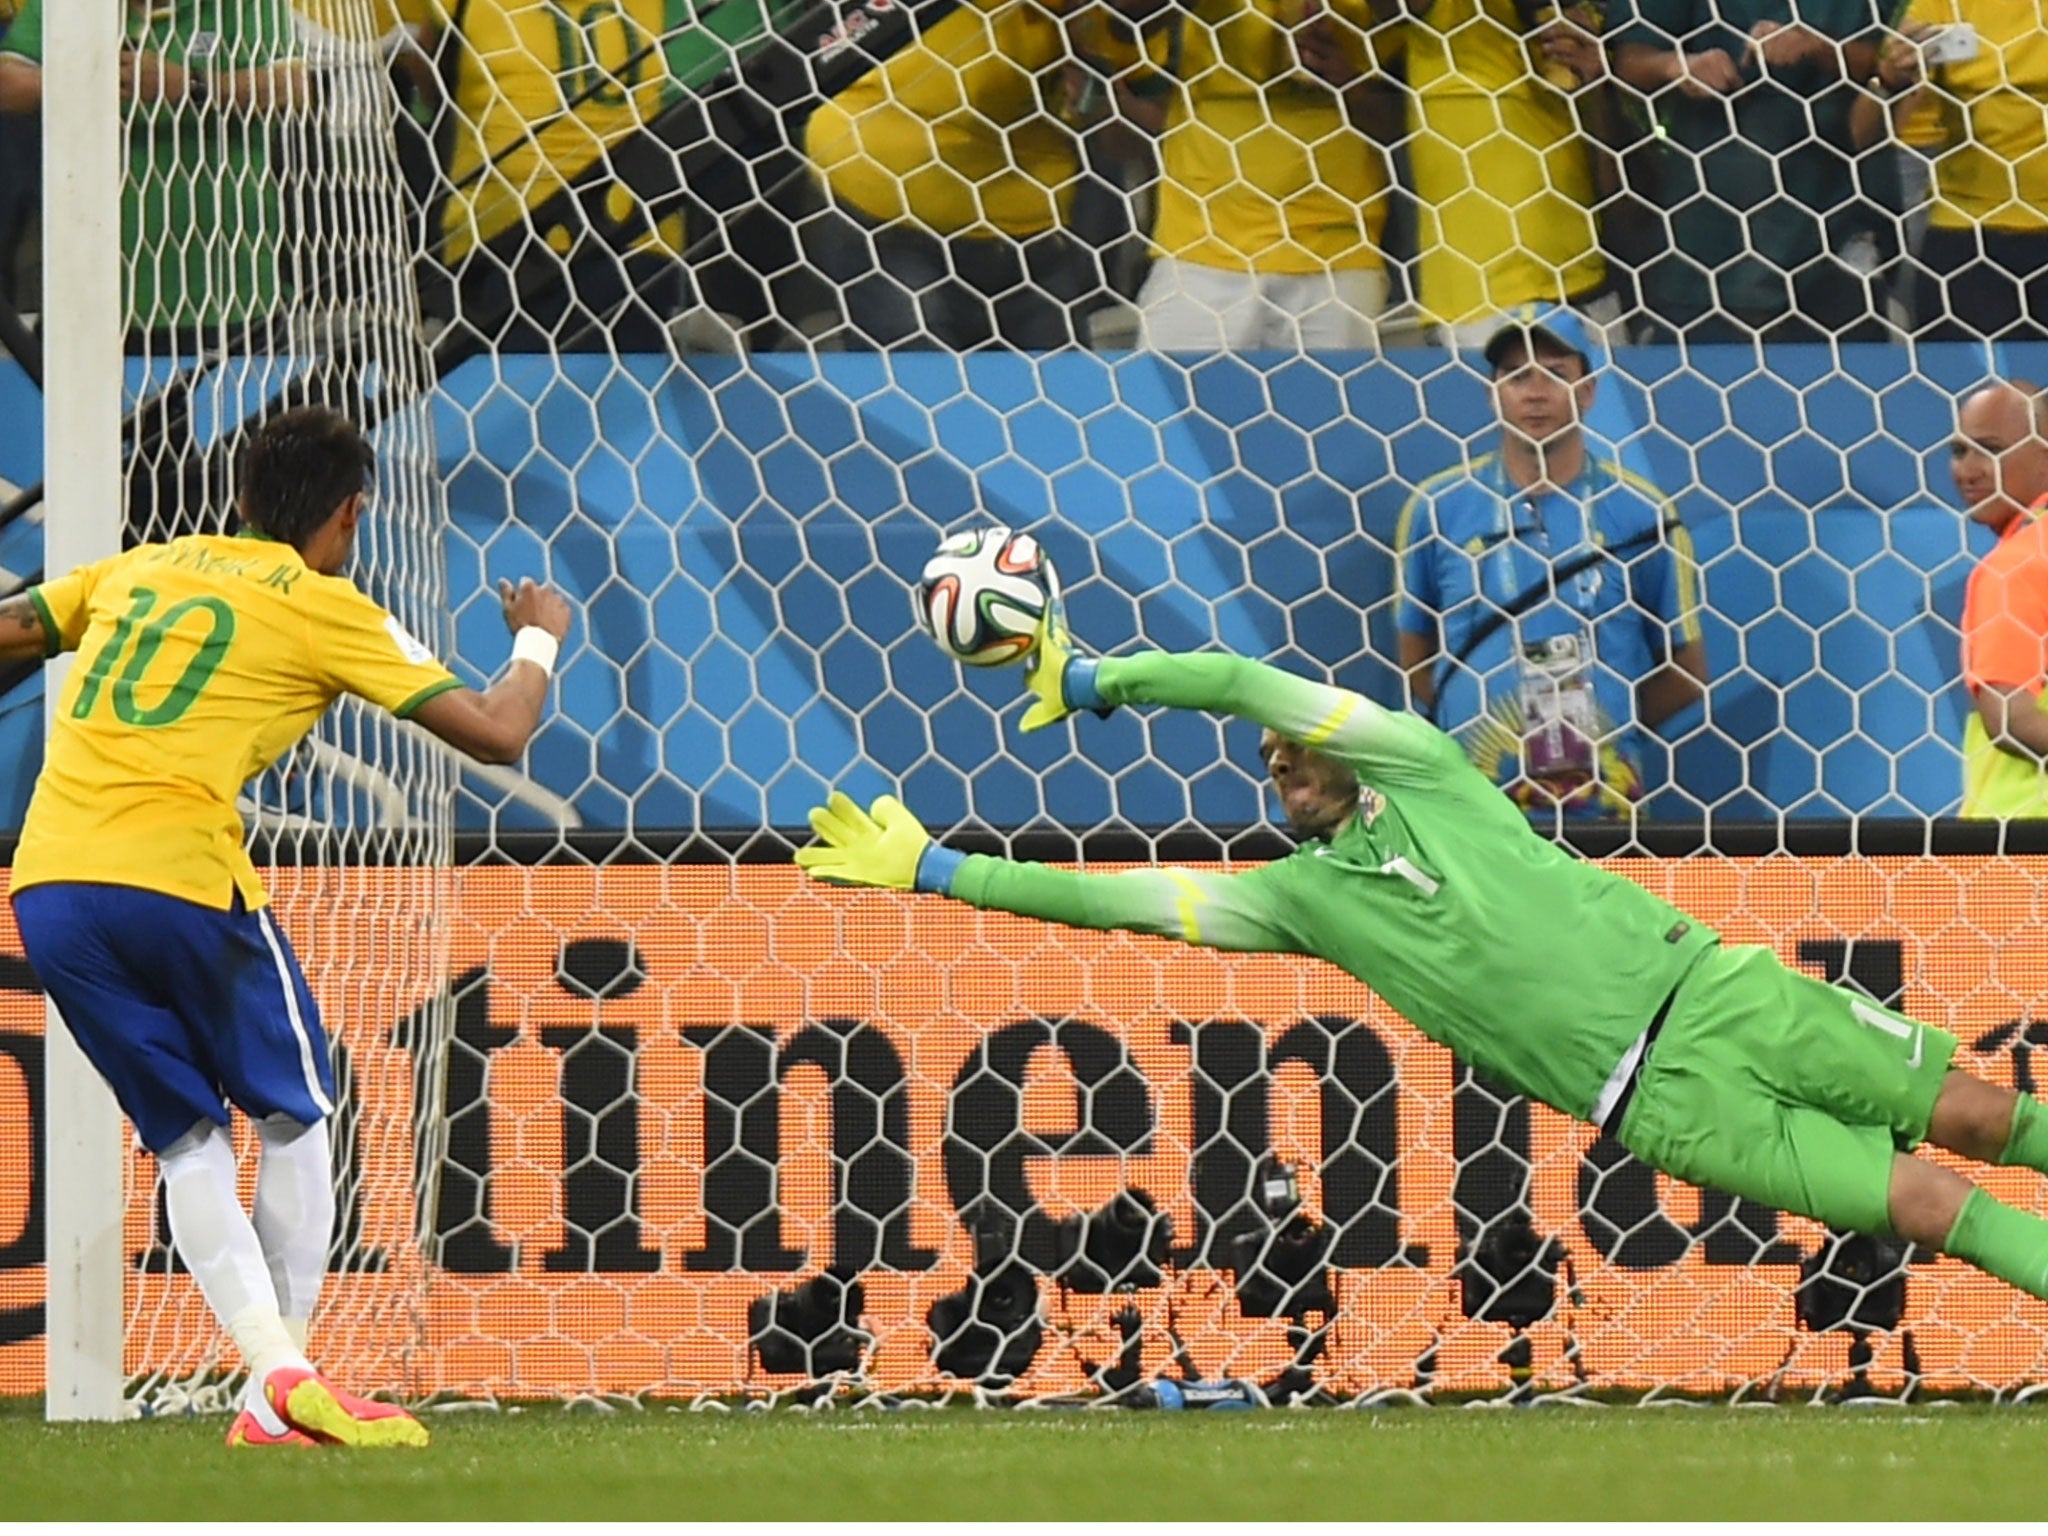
<point>1917,138</point>
<point>1503,171</point>
<point>1272,201</point>
<point>533,93</point>
<point>949,177</point>
<point>1968,82</point>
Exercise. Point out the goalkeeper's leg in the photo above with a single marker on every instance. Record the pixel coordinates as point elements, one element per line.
<point>1779,1088</point>
<point>1993,1124</point>
<point>1944,1210</point>
<point>1853,1177</point>
<point>1843,1168</point>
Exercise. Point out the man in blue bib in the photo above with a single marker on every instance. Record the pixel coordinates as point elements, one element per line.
<point>1549,607</point>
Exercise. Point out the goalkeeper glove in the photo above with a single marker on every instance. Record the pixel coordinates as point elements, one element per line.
<point>886,847</point>
<point>1060,681</point>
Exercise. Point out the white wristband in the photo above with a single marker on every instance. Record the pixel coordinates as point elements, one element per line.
<point>536,645</point>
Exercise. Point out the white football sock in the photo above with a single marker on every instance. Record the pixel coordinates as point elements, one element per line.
<point>259,1407</point>
<point>218,1243</point>
<point>295,1215</point>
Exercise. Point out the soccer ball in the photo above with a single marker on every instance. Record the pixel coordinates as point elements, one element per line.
<point>983,593</point>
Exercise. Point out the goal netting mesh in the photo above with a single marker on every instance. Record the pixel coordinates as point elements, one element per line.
<point>631,1110</point>
<point>270,264</point>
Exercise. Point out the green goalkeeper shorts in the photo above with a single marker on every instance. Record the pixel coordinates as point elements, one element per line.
<point>1774,1086</point>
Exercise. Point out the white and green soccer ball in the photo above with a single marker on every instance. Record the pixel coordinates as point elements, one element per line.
<point>983,592</point>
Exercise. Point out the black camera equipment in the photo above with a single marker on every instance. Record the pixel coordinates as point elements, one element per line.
<point>1121,1378</point>
<point>811,1330</point>
<point>1510,1276</point>
<point>989,1331</point>
<point>1121,1245</point>
<point>1281,1262</point>
<point>1856,1284</point>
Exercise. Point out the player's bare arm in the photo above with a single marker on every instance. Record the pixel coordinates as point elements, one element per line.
<point>21,84</point>
<point>2014,721</point>
<point>1672,687</point>
<point>494,726</point>
<point>1418,664</point>
<point>21,629</point>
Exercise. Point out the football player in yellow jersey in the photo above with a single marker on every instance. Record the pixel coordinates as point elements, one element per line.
<point>201,661</point>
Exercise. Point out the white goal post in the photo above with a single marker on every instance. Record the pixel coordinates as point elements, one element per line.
<point>82,157</point>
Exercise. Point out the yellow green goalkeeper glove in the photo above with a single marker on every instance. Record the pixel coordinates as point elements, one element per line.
<point>1060,681</point>
<point>885,846</point>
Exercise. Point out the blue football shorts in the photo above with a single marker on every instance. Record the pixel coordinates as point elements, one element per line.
<point>183,1009</point>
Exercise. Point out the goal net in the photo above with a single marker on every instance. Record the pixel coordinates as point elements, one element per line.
<point>717,320</point>
<point>268,263</point>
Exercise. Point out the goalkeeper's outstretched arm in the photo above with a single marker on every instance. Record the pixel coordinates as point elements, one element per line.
<point>891,850</point>
<point>1382,743</point>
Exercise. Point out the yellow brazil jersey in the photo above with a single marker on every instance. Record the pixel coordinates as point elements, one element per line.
<point>1503,180</point>
<point>512,140</point>
<point>1260,171</point>
<point>355,21</point>
<point>1930,124</point>
<point>953,133</point>
<point>1990,139</point>
<point>200,662</point>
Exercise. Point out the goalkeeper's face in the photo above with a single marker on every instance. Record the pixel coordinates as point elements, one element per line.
<point>1318,793</point>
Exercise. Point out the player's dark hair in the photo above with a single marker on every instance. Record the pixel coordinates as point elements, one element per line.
<point>298,468</point>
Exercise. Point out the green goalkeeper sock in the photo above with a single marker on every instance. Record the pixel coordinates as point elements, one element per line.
<point>2027,1146</point>
<point>2003,1242</point>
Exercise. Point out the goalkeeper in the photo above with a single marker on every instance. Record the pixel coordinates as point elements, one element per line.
<point>1571,984</point>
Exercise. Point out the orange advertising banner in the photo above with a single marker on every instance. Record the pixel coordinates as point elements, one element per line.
<point>653,1094</point>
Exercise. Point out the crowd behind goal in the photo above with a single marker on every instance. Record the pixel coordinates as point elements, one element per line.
<point>1036,173</point>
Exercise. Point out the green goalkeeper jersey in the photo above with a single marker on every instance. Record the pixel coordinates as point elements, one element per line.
<point>1536,967</point>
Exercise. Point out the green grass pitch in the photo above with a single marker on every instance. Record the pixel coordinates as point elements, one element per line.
<point>1800,1463</point>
